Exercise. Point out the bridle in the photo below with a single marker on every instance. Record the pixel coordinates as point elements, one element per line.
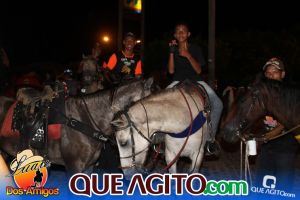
<point>131,125</point>
<point>244,124</point>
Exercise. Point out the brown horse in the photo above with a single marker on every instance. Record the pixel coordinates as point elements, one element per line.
<point>259,99</point>
<point>75,150</point>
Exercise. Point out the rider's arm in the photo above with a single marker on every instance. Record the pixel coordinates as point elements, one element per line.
<point>195,64</point>
<point>171,67</point>
<point>275,131</point>
<point>112,62</point>
<point>138,68</point>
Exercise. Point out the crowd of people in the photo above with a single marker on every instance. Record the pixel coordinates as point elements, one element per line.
<point>185,61</point>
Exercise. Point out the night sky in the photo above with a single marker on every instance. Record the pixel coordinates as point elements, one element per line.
<point>61,33</point>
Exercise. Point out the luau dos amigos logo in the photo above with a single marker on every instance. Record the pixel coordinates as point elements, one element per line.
<point>30,175</point>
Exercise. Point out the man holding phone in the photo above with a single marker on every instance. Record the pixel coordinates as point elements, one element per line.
<point>186,61</point>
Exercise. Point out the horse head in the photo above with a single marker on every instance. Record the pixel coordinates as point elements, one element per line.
<point>167,116</point>
<point>132,144</point>
<point>246,110</point>
<point>88,66</point>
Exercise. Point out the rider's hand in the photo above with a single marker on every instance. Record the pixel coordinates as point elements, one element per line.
<point>125,69</point>
<point>184,52</point>
<point>173,44</point>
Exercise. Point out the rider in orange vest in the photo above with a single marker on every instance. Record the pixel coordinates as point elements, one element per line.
<point>125,64</point>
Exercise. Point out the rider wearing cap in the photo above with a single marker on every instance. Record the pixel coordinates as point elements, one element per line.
<point>126,64</point>
<point>278,156</point>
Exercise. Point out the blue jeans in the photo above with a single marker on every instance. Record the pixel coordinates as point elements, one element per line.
<point>216,106</point>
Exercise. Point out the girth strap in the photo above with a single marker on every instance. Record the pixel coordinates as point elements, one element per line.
<point>196,125</point>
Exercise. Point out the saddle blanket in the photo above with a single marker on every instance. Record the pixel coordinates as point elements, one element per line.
<point>54,130</point>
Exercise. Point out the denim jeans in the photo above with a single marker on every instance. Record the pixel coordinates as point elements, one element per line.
<point>216,106</point>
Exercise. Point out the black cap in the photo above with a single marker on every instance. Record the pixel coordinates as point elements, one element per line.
<point>275,62</point>
<point>129,34</point>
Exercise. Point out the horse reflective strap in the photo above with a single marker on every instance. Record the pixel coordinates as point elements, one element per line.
<point>134,127</point>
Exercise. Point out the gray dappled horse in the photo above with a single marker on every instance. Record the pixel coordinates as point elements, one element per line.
<point>75,150</point>
<point>170,112</point>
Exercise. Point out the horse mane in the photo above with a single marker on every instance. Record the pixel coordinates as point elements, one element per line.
<point>158,95</point>
<point>288,93</point>
<point>100,92</point>
<point>290,90</point>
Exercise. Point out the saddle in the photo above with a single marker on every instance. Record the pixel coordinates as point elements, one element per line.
<point>32,111</point>
<point>202,93</point>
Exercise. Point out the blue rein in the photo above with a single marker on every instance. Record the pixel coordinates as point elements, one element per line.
<point>197,124</point>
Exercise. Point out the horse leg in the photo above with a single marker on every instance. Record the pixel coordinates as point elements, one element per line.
<point>169,158</point>
<point>196,161</point>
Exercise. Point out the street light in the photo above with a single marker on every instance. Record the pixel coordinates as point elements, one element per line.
<point>105,39</point>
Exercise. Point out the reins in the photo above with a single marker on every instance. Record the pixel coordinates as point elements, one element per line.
<point>90,115</point>
<point>271,136</point>
<point>132,126</point>
<point>189,133</point>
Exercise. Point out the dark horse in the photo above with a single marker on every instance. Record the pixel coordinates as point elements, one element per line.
<point>74,150</point>
<point>259,99</point>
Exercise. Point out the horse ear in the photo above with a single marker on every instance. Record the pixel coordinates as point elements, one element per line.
<point>84,56</point>
<point>148,83</point>
<point>117,122</point>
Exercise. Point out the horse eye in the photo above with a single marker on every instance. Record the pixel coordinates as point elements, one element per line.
<point>123,143</point>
